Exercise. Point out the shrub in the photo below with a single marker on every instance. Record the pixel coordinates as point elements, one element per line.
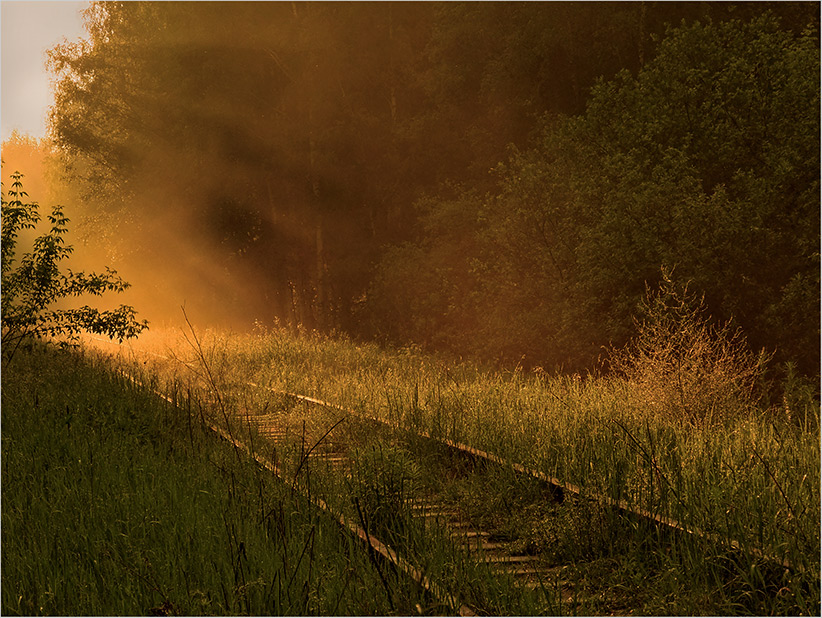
<point>682,365</point>
<point>33,283</point>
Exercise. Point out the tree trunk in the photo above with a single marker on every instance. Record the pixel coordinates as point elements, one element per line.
<point>322,284</point>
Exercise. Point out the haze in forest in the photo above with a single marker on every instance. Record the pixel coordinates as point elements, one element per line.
<point>498,180</point>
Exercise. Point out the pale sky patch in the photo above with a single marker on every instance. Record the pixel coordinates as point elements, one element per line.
<point>29,28</point>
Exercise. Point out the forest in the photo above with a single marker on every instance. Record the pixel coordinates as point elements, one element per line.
<point>500,181</point>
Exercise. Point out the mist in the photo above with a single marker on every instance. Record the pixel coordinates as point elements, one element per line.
<point>431,173</point>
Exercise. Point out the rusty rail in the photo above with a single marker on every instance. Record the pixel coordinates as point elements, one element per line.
<point>373,544</point>
<point>555,483</point>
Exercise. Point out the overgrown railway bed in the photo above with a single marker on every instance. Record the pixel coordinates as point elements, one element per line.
<point>318,447</point>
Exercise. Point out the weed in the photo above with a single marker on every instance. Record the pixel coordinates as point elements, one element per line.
<point>709,457</point>
<point>682,366</point>
<point>382,483</point>
<point>114,504</point>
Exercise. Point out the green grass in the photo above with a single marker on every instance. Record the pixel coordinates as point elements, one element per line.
<point>744,474</point>
<point>116,503</point>
<point>607,563</point>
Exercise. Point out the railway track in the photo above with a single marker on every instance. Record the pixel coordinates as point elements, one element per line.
<point>478,543</point>
<point>318,449</point>
<point>276,434</point>
<point>558,489</point>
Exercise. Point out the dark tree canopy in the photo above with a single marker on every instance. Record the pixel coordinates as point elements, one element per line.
<point>339,164</point>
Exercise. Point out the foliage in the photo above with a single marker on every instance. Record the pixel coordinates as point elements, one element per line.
<point>383,481</point>
<point>752,478</point>
<point>708,161</point>
<point>33,283</point>
<point>324,170</point>
<point>115,503</point>
<point>419,290</point>
<point>683,366</point>
<point>280,170</point>
<point>705,161</point>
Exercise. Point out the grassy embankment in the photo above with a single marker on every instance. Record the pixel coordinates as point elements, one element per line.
<point>116,503</point>
<point>734,470</point>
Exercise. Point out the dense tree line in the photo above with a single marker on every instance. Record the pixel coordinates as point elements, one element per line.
<point>497,179</point>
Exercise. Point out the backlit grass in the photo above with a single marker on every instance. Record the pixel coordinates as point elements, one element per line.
<point>116,503</point>
<point>749,478</point>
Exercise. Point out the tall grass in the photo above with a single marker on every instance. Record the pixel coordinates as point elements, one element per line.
<point>747,477</point>
<point>116,503</point>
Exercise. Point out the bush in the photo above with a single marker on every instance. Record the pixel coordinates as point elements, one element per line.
<point>684,366</point>
<point>33,283</point>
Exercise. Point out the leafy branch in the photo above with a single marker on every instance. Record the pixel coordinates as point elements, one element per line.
<point>33,282</point>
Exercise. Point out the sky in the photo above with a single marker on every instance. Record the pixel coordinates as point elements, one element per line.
<point>29,28</point>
